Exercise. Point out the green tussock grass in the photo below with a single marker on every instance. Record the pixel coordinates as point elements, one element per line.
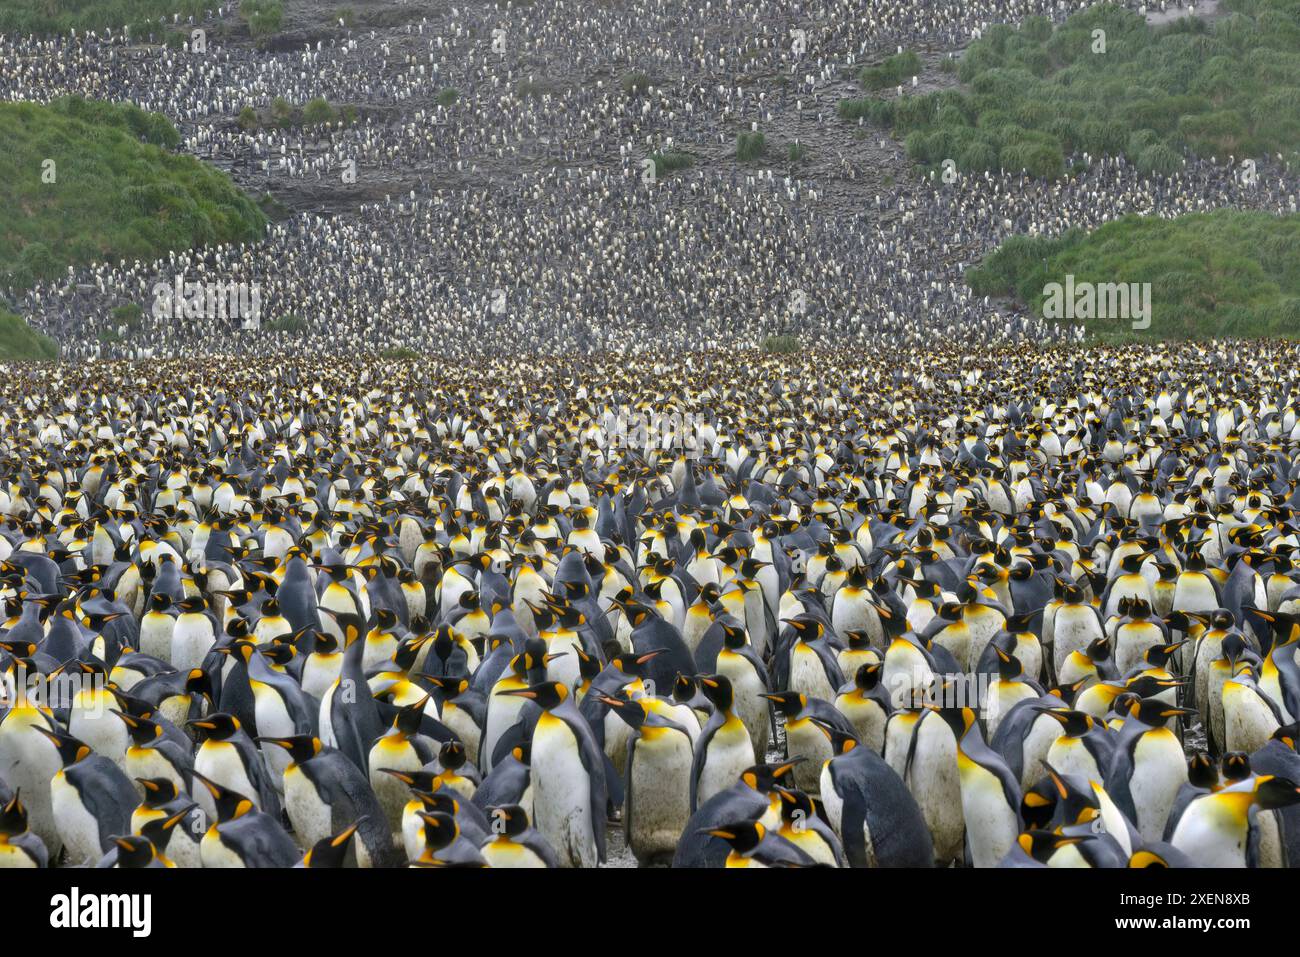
<point>63,16</point>
<point>670,161</point>
<point>19,341</point>
<point>781,344</point>
<point>1226,274</point>
<point>119,191</point>
<point>750,146</point>
<point>1034,94</point>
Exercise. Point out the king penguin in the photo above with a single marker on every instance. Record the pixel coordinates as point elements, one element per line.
<point>324,792</point>
<point>568,776</point>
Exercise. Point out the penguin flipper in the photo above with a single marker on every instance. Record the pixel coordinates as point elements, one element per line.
<point>627,788</point>
<point>617,790</point>
<point>594,761</point>
<point>260,841</point>
<point>853,817</point>
<point>353,801</point>
<point>701,752</point>
<point>109,796</point>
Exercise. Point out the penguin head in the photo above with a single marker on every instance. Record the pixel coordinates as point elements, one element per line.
<point>1038,805</point>
<point>452,755</point>
<point>684,689</point>
<point>717,688</point>
<point>841,741</point>
<point>1041,845</point>
<point>440,829</point>
<point>1202,772</point>
<point>764,777</point>
<point>217,726</point>
<point>301,747</point>
<point>743,836</point>
<point>797,808</point>
<point>1272,792</point>
<point>1074,724</point>
<point>1234,766</point>
<point>13,817</point>
<point>71,750</point>
<point>633,663</point>
<point>868,676</point>
<point>1149,711</point>
<point>420,782</point>
<point>733,637</point>
<point>158,830</point>
<point>408,719</point>
<point>1009,666</point>
<point>134,851</point>
<point>806,628</point>
<point>1158,656</point>
<point>157,791</point>
<point>548,694</point>
<point>508,820</point>
<point>1073,797</point>
<point>330,852</point>
<point>632,712</point>
<point>230,804</point>
<point>142,730</point>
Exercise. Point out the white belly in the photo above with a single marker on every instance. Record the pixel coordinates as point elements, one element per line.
<point>309,815</point>
<point>78,829</point>
<point>991,823</point>
<point>562,794</point>
<point>219,761</point>
<point>730,752</point>
<point>807,675</point>
<point>934,782</point>
<point>190,643</point>
<point>1206,839</point>
<point>1158,772</point>
<point>660,793</point>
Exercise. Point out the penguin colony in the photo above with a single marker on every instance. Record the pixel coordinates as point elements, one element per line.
<point>506,217</point>
<point>904,609</point>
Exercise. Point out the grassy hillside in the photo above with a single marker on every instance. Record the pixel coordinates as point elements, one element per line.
<point>117,190</point>
<point>61,16</point>
<point>1229,273</point>
<point>1035,94</point>
<point>20,341</point>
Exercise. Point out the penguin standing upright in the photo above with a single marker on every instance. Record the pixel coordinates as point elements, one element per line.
<point>241,835</point>
<point>872,810</point>
<point>568,775</point>
<point>19,846</point>
<point>723,749</point>
<point>739,663</point>
<point>91,797</point>
<point>29,759</point>
<point>921,747</point>
<point>657,788</point>
<point>990,793</point>
<point>325,792</point>
<point>865,702</point>
<point>228,756</point>
<point>1146,768</point>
